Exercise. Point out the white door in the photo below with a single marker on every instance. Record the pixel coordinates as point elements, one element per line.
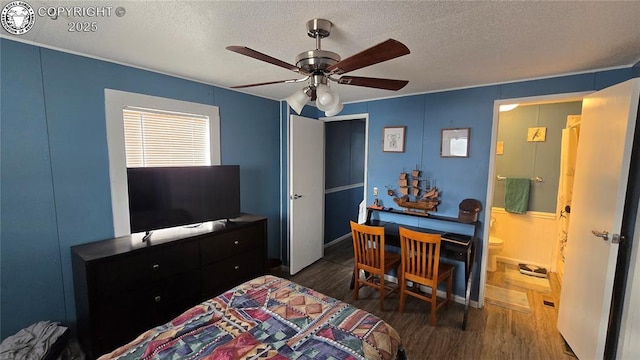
<point>306,192</point>
<point>602,169</point>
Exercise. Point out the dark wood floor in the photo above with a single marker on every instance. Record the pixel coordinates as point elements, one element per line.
<point>493,332</point>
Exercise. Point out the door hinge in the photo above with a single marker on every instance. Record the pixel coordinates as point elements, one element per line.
<point>617,238</point>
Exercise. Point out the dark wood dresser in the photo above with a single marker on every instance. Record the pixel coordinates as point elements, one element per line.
<point>124,286</point>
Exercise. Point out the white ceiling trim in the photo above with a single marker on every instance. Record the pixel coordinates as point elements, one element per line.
<point>310,103</point>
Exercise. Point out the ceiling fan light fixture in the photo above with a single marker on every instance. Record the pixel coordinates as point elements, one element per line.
<point>327,99</point>
<point>325,95</point>
<point>335,110</point>
<point>320,106</point>
<point>297,101</point>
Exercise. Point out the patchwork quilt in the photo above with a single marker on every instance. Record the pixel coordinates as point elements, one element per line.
<point>267,318</point>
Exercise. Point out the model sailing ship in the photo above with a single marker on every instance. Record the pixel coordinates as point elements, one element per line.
<point>417,195</point>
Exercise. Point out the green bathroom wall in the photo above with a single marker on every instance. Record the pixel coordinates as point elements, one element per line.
<point>522,158</point>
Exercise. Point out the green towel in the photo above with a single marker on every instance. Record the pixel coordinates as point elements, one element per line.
<point>516,195</point>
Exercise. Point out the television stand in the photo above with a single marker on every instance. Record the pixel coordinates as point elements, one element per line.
<point>122,289</point>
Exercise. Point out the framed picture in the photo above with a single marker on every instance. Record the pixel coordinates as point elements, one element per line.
<point>393,139</point>
<point>536,134</point>
<point>454,142</point>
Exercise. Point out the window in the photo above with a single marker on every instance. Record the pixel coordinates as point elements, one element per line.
<point>116,104</point>
<point>159,138</point>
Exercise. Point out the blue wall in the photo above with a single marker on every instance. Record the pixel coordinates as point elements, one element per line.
<point>55,180</point>
<point>30,264</point>
<point>339,208</point>
<point>523,158</point>
<point>344,153</point>
<point>457,178</point>
<point>344,167</point>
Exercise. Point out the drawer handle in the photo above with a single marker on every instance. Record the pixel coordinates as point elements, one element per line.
<point>237,267</point>
<point>156,267</point>
<point>157,298</point>
<point>236,242</point>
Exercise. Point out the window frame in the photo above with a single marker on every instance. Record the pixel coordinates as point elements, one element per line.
<point>115,101</point>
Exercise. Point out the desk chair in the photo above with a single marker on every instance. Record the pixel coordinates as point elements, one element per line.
<point>370,257</point>
<point>421,265</point>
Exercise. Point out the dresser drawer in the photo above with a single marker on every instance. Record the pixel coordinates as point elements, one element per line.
<point>121,316</point>
<point>170,297</point>
<point>218,247</point>
<point>225,274</point>
<point>136,270</point>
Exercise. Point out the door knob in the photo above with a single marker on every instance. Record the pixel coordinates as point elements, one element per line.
<point>296,196</point>
<point>601,234</point>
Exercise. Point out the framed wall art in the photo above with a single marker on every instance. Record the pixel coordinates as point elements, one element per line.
<point>454,142</point>
<point>393,138</point>
<point>535,134</point>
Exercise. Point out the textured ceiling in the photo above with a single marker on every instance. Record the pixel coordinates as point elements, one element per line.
<point>453,44</point>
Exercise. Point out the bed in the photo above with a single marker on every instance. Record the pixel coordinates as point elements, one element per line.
<point>268,318</point>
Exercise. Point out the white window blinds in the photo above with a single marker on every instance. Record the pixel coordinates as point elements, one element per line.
<point>156,138</point>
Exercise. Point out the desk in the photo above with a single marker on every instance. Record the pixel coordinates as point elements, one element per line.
<point>463,250</point>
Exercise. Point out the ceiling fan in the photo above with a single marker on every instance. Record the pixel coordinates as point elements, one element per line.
<point>318,67</point>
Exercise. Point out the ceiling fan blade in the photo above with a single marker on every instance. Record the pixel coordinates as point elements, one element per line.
<point>384,51</point>
<point>265,83</point>
<point>243,50</point>
<point>387,84</point>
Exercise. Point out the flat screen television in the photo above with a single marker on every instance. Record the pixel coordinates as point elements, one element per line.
<point>162,197</point>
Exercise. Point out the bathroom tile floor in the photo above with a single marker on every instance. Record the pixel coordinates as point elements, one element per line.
<point>543,304</point>
<point>536,297</point>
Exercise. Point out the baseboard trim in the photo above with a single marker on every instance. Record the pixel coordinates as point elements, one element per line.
<point>285,269</point>
<point>441,293</point>
<point>335,241</point>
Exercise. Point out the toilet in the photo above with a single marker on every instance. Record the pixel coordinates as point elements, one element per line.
<point>495,246</point>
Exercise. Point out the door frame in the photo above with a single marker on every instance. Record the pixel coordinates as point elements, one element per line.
<point>626,343</point>
<point>530,100</point>
<point>284,158</point>
<point>364,116</point>
<point>618,342</point>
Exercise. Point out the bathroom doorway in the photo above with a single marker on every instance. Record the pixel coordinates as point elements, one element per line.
<point>528,144</point>
<point>604,208</point>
